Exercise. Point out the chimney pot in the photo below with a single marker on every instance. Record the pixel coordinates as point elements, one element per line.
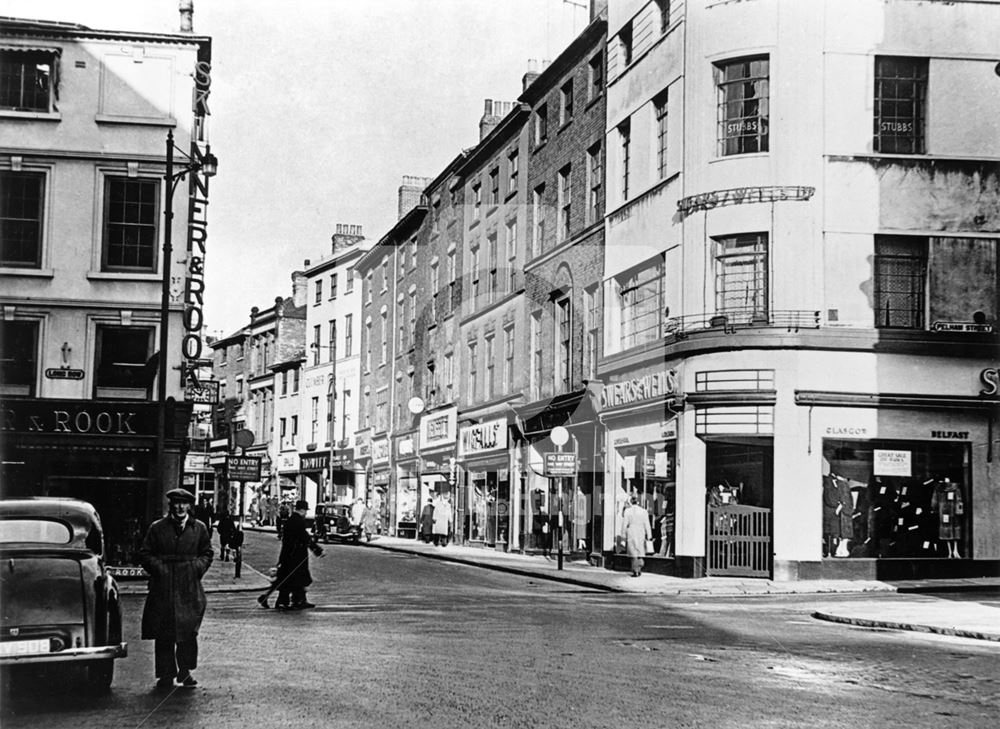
<point>186,8</point>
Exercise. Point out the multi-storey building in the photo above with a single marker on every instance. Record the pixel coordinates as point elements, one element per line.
<point>385,381</point>
<point>801,285</point>
<point>491,316</point>
<point>331,375</point>
<point>258,369</point>
<point>563,270</point>
<point>86,115</point>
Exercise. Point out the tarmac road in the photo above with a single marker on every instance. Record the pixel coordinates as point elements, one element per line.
<point>402,641</point>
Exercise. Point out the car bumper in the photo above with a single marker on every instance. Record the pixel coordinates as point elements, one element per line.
<point>70,655</point>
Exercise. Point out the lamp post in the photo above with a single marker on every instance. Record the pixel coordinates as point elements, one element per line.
<point>208,166</point>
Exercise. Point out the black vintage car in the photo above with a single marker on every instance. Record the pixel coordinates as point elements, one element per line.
<point>332,523</point>
<point>58,604</point>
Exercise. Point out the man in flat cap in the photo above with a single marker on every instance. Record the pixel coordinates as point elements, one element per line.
<point>293,563</point>
<point>176,552</point>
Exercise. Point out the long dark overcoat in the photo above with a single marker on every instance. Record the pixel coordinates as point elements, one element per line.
<point>293,561</point>
<point>175,559</point>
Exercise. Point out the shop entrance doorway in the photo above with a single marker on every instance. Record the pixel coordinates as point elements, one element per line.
<point>739,478</point>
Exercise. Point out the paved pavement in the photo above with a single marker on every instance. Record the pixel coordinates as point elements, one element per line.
<point>906,612</point>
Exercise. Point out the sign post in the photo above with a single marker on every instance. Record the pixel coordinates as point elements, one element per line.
<point>560,436</point>
<point>242,468</point>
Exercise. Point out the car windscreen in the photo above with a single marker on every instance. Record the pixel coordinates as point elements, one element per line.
<point>41,590</point>
<point>40,531</point>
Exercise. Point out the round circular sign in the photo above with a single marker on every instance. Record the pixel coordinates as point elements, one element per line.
<point>243,438</point>
<point>559,435</point>
<point>415,405</point>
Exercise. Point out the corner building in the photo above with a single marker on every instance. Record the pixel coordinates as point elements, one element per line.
<point>800,286</point>
<point>84,117</point>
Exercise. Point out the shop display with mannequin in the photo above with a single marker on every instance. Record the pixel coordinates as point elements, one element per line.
<point>949,507</point>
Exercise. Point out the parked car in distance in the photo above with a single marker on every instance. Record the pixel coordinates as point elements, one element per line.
<point>59,605</point>
<point>332,523</point>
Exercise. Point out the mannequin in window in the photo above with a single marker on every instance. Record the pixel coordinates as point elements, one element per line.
<point>831,516</point>
<point>949,507</point>
<point>844,511</point>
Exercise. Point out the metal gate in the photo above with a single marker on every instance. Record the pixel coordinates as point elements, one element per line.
<point>739,541</point>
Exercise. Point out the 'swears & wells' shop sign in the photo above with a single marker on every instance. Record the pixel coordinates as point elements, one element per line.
<point>639,389</point>
<point>75,417</point>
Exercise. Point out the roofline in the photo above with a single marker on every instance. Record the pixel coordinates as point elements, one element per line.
<point>564,61</point>
<point>324,264</point>
<point>413,217</point>
<point>452,166</point>
<point>496,138</point>
<point>13,27</point>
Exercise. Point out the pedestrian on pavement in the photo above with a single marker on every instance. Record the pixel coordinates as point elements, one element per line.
<point>442,521</point>
<point>635,526</point>
<point>226,527</point>
<point>176,552</point>
<point>204,514</point>
<point>427,522</point>
<point>293,563</point>
<point>357,511</point>
<point>369,521</point>
<point>283,514</point>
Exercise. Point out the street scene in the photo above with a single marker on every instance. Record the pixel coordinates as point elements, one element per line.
<point>529,363</point>
<point>397,639</point>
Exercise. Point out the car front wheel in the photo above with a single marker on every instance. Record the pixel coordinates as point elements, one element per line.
<point>100,674</point>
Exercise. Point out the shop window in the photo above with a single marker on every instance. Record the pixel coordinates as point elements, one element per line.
<point>907,499</point>
<point>27,80</point>
<point>743,98</point>
<point>900,281</point>
<point>21,196</point>
<point>648,472</point>
<point>741,276</point>
<point>900,104</point>
<point>18,357</point>
<point>122,356</point>
<point>130,224</point>
<point>640,304</point>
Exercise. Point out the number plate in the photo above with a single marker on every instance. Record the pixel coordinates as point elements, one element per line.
<point>24,647</point>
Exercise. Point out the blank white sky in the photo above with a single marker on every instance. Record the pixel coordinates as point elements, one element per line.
<point>319,107</point>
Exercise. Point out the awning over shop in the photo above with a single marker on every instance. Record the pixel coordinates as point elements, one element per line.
<point>574,408</point>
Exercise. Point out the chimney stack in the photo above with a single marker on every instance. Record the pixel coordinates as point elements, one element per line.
<point>346,235</point>
<point>531,75</point>
<point>493,114</point>
<point>186,8</point>
<point>300,285</point>
<point>410,193</point>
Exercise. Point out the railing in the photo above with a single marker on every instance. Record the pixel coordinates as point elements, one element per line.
<point>791,320</point>
<point>739,541</point>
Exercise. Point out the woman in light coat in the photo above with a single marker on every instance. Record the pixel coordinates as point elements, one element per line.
<point>635,525</point>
